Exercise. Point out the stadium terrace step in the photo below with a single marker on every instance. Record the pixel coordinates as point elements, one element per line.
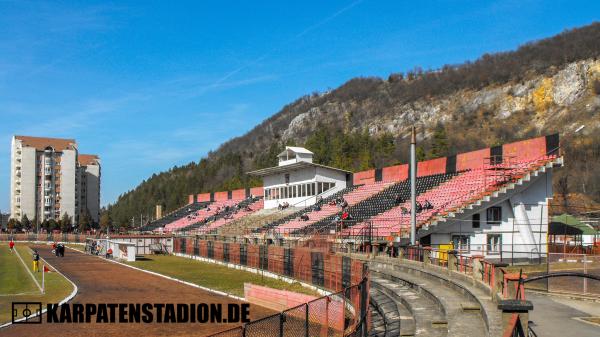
<point>399,320</point>
<point>468,306</point>
<point>429,319</point>
<point>460,322</point>
<point>389,311</point>
<point>378,323</point>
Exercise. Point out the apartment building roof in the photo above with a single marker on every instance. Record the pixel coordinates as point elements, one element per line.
<point>88,159</point>
<point>41,143</point>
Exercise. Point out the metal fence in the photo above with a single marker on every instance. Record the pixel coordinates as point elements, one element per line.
<point>344,313</point>
<point>561,262</point>
<point>341,314</point>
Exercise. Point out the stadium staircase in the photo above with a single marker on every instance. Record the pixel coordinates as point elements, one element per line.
<point>376,204</point>
<point>408,300</point>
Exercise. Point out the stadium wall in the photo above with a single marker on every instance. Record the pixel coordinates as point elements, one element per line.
<point>322,269</point>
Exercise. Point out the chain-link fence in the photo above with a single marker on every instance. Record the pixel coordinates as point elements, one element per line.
<point>344,313</point>
<point>338,314</point>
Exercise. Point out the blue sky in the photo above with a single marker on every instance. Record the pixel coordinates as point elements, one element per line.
<point>148,85</point>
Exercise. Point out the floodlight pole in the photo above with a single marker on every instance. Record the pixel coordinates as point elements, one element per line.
<point>413,187</point>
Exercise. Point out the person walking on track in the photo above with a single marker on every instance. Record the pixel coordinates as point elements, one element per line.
<point>36,261</point>
<point>11,245</point>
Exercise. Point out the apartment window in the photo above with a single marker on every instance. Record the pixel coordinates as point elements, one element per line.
<point>287,178</point>
<point>304,190</point>
<point>494,215</point>
<point>461,243</point>
<point>494,243</point>
<point>475,221</point>
<point>293,191</point>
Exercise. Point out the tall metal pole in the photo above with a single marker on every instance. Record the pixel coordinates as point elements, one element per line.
<point>413,187</point>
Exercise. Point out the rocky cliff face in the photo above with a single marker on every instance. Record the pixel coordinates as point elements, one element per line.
<point>561,102</point>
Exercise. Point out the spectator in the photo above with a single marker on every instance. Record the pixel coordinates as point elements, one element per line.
<point>404,210</point>
<point>319,199</point>
<point>109,253</point>
<point>427,204</point>
<point>343,203</point>
<point>419,207</point>
<point>332,203</point>
<point>318,207</point>
<point>399,199</point>
<point>304,217</point>
<point>36,261</point>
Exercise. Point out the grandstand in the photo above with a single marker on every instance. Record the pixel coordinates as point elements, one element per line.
<point>479,201</point>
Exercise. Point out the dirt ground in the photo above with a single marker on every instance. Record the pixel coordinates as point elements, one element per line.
<point>100,281</point>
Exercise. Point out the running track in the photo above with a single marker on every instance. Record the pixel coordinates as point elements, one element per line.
<point>100,281</point>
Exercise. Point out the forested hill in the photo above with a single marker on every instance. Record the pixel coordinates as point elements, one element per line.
<point>543,87</point>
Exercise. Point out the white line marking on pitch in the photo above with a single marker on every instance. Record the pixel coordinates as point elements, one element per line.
<point>29,271</point>
<point>64,300</point>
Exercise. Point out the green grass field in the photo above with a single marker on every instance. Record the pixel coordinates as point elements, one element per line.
<point>212,275</point>
<point>16,284</point>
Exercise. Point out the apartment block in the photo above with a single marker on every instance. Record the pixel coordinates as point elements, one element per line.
<point>89,185</point>
<point>49,179</point>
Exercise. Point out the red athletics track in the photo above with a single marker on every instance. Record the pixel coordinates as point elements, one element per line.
<point>100,281</point>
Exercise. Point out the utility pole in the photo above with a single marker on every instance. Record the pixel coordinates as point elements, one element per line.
<point>413,186</point>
